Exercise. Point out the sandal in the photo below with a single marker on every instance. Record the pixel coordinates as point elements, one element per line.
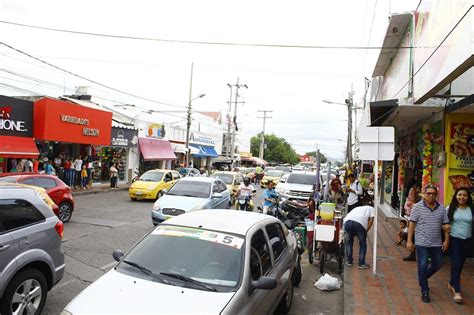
<point>457,297</point>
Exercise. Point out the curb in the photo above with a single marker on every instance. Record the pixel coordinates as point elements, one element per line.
<point>348,300</point>
<point>93,192</point>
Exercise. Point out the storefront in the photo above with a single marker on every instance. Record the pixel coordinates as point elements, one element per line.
<point>206,150</point>
<point>68,131</point>
<point>16,133</point>
<point>155,154</point>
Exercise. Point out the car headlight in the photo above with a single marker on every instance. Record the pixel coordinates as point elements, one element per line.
<point>156,207</point>
<point>285,191</point>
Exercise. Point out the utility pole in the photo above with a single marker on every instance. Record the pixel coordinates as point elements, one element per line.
<point>262,135</point>
<point>234,118</point>
<point>229,123</point>
<point>349,102</point>
<point>188,125</point>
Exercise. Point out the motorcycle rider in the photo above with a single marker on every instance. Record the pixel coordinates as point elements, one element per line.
<point>269,197</point>
<point>245,190</point>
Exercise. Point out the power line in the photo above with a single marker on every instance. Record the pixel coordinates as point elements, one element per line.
<point>200,42</point>
<point>297,122</point>
<point>87,79</point>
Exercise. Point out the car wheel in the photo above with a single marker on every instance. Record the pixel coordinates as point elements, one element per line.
<point>297,274</point>
<point>26,293</point>
<point>133,199</point>
<point>285,304</point>
<point>65,211</point>
<point>159,194</point>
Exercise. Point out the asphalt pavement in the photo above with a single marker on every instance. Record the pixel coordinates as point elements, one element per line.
<point>106,221</point>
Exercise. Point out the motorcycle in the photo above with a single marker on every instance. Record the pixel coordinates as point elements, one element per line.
<point>244,203</point>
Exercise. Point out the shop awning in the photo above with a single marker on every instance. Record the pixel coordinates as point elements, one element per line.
<point>389,113</point>
<point>204,151</point>
<point>18,147</point>
<point>156,149</point>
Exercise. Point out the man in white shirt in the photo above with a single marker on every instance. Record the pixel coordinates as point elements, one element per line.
<point>357,223</point>
<point>355,190</point>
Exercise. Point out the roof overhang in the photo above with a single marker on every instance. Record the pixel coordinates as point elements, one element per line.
<point>390,113</point>
<point>396,29</point>
<point>464,106</point>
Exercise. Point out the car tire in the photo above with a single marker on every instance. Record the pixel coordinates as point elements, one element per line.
<point>286,301</point>
<point>297,273</point>
<point>133,199</point>
<point>16,286</point>
<point>65,211</point>
<point>159,194</point>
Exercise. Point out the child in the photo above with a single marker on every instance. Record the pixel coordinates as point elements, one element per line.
<point>84,177</point>
<point>402,233</point>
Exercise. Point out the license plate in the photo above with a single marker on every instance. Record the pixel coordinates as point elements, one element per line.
<point>138,193</point>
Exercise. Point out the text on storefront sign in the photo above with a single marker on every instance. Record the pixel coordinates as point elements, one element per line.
<point>90,132</point>
<point>8,124</point>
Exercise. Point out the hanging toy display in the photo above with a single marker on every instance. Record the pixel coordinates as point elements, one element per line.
<point>427,156</point>
<point>402,161</point>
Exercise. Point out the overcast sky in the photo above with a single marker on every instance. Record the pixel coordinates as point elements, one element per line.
<point>291,82</point>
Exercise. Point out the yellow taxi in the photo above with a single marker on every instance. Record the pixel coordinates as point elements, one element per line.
<point>231,179</point>
<point>271,175</point>
<point>151,184</point>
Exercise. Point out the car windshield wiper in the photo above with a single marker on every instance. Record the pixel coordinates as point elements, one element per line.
<point>145,270</point>
<point>188,280</point>
<point>187,195</point>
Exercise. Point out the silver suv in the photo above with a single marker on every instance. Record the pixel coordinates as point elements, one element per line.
<point>31,258</point>
<point>298,185</point>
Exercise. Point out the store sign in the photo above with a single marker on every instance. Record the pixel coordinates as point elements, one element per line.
<point>461,145</point>
<point>121,137</point>
<point>200,139</point>
<point>16,117</point>
<point>58,120</point>
<point>156,130</point>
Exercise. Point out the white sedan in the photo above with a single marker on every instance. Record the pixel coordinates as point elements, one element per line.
<point>209,261</point>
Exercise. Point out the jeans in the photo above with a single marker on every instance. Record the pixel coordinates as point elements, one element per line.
<point>425,269</point>
<point>85,180</point>
<point>457,252</point>
<point>78,179</point>
<point>352,229</point>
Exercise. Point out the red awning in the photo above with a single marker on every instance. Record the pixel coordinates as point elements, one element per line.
<point>18,147</point>
<point>156,149</point>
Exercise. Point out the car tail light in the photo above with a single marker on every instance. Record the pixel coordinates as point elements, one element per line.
<point>59,228</point>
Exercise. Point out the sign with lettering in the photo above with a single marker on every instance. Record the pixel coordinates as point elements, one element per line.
<point>122,137</point>
<point>16,117</point>
<point>201,139</point>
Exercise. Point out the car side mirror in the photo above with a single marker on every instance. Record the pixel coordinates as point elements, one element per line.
<point>264,283</point>
<point>216,195</point>
<point>282,180</point>
<point>117,254</point>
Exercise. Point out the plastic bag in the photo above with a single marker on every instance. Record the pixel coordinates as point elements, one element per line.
<point>328,283</point>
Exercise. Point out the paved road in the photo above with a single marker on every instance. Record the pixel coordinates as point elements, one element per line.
<point>108,221</point>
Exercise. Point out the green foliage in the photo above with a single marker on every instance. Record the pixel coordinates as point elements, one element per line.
<point>278,150</point>
<point>313,153</point>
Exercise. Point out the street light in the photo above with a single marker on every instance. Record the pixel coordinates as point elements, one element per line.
<point>188,127</point>
<point>350,107</point>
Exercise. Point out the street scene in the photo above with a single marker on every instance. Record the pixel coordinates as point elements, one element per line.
<point>192,157</point>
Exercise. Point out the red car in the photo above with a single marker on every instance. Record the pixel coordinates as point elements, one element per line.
<point>56,189</point>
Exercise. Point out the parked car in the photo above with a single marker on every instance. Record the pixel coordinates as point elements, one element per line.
<point>191,194</point>
<point>271,175</point>
<point>59,192</point>
<point>231,179</point>
<point>298,185</point>
<point>152,184</point>
<point>31,258</point>
<point>207,262</point>
<point>190,172</point>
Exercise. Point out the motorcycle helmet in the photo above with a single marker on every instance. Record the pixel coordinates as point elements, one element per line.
<point>246,181</point>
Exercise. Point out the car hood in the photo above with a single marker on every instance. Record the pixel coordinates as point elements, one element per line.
<point>144,185</point>
<point>181,202</point>
<point>115,293</point>
<point>298,187</point>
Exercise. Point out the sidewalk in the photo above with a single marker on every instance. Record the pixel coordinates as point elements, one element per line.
<point>99,188</point>
<point>394,289</point>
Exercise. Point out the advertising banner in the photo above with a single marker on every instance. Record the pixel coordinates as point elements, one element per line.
<point>122,137</point>
<point>16,117</point>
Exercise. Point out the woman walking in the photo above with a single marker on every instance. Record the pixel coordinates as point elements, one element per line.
<point>460,214</point>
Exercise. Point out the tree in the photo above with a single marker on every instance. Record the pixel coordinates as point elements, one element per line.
<point>277,150</point>
<point>322,156</point>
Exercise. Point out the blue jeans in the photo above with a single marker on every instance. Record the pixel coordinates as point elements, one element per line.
<point>457,251</point>
<point>352,229</point>
<point>425,269</point>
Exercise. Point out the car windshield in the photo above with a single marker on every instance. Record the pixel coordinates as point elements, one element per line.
<point>228,179</point>
<point>210,257</point>
<point>304,179</point>
<point>191,189</point>
<point>286,169</point>
<point>152,176</point>
<point>274,173</point>
<point>8,179</point>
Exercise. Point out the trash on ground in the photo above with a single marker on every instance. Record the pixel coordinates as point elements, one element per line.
<point>303,297</point>
<point>328,283</point>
